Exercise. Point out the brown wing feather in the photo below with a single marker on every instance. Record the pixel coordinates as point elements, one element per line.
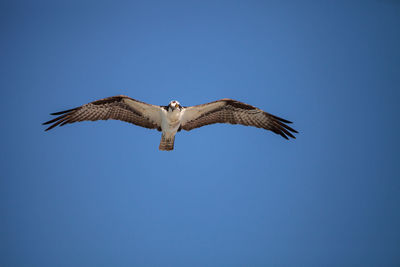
<point>114,108</point>
<point>235,112</point>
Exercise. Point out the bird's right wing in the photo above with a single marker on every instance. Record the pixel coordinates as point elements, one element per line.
<point>121,108</point>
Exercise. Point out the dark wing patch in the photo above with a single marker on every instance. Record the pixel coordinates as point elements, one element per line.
<point>235,112</point>
<point>113,108</point>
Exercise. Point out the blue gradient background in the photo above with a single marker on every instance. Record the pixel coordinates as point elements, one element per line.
<point>101,194</point>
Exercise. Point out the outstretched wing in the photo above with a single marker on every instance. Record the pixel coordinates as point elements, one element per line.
<point>120,107</point>
<point>234,112</point>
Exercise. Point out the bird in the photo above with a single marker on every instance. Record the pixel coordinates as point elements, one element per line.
<point>173,118</point>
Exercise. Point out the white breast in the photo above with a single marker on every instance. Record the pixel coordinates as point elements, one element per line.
<point>171,121</point>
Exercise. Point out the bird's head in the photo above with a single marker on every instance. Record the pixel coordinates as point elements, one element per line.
<point>174,105</point>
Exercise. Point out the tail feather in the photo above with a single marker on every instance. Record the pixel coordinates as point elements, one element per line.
<point>167,143</point>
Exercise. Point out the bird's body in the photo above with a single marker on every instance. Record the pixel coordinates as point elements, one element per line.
<point>170,123</point>
<point>171,120</point>
<point>174,117</point>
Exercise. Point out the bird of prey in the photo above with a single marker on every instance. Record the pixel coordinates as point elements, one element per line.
<point>174,117</point>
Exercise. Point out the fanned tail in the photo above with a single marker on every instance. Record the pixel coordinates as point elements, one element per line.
<point>167,143</point>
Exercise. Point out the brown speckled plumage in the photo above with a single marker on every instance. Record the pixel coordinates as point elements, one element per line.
<point>110,108</point>
<point>235,112</point>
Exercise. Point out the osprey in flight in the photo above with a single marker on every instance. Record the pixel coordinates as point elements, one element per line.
<point>174,117</point>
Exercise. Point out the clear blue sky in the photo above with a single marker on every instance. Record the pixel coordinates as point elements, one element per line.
<point>101,194</point>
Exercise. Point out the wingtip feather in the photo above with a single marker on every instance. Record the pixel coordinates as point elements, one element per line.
<point>62,112</point>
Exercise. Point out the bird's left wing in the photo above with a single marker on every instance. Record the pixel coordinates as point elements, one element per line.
<point>234,112</point>
<point>120,107</point>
